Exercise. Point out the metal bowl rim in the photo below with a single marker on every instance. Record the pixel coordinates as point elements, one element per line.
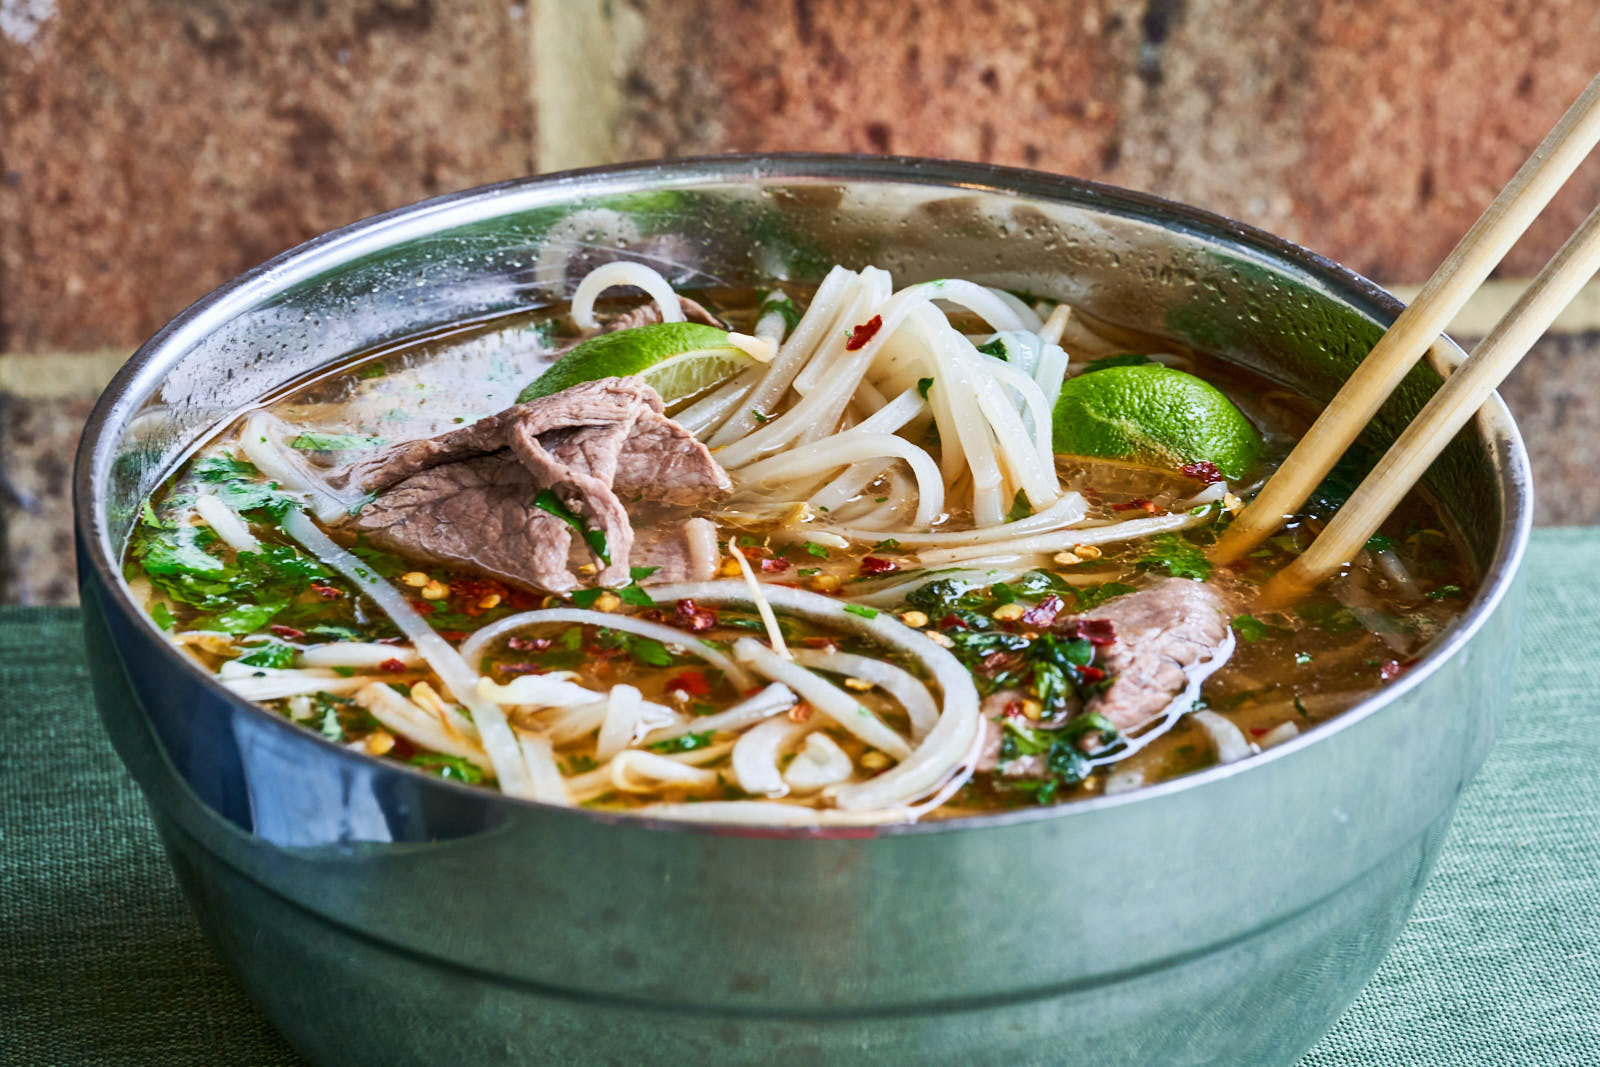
<point>143,370</point>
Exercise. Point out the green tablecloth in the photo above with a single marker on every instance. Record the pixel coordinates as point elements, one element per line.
<point>101,963</point>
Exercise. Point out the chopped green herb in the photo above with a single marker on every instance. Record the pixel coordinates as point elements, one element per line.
<point>779,301</point>
<point>1327,616</point>
<point>887,545</point>
<point>372,370</point>
<point>453,768</point>
<point>334,442</point>
<point>682,743</point>
<point>806,572</point>
<point>923,385</point>
<point>1302,658</point>
<point>1176,555</point>
<point>1299,705</point>
<point>1250,628</point>
<point>995,348</point>
<point>862,610</point>
<point>646,650</point>
<point>1445,592</point>
<point>162,615</point>
<point>224,468</point>
<point>247,618</point>
<point>762,417</point>
<point>815,549</point>
<point>633,593</point>
<point>1380,543</point>
<point>595,539</point>
<point>1020,507</point>
<point>639,574</point>
<point>1092,596</point>
<point>270,654</point>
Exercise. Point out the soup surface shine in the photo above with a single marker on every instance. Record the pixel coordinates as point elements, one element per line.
<point>886,597</point>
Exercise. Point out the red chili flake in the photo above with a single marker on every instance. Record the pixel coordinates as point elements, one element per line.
<point>1257,731</point>
<point>518,668</point>
<point>755,551</point>
<point>522,600</point>
<point>863,333</point>
<point>1091,674</point>
<point>288,633</point>
<point>815,641</point>
<point>393,666</point>
<point>1044,612</point>
<point>423,607</point>
<point>995,662</point>
<point>1201,471</point>
<point>1394,669</point>
<point>776,565</point>
<point>952,622</point>
<point>877,565</point>
<point>695,619</point>
<point>453,635</point>
<point>692,682</point>
<point>1094,631</point>
<point>1013,708</point>
<point>326,592</point>
<point>1140,504</point>
<point>529,644</point>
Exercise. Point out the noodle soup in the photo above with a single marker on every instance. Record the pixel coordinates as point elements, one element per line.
<point>813,558</point>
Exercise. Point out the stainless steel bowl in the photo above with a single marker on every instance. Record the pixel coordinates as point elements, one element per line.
<point>379,915</point>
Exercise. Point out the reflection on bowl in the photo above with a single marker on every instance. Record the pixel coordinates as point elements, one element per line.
<point>381,916</point>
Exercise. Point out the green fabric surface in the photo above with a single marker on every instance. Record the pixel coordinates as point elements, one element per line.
<point>1500,963</point>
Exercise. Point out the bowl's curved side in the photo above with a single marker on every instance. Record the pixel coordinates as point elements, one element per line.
<point>1228,923</point>
<point>1235,910</point>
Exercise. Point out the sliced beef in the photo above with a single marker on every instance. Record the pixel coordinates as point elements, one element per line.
<point>1158,635</point>
<point>468,496</point>
<point>649,312</point>
<point>994,709</point>
<point>1161,632</point>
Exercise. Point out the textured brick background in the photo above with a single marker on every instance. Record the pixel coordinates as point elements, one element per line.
<point>151,149</point>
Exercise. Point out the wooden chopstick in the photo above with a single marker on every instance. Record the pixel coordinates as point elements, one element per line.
<point>1461,395</point>
<point>1418,326</point>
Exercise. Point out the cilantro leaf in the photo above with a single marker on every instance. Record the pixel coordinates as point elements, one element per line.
<point>452,768</point>
<point>270,654</point>
<point>815,549</point>
<point>224,468</point>
<point>1176,555</point>
<point>682,743</point>
<point>1020,507</point>
<point>1250,628</point>
<point>311,441</point>
<point>995,348</point>
<point>595,539</point>
<point>923,385</point>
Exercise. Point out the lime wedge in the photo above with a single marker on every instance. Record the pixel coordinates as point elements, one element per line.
<point>678,359</point>
<point>1156,416</point>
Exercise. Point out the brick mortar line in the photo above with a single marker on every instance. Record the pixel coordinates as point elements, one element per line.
<point>64,375</point>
